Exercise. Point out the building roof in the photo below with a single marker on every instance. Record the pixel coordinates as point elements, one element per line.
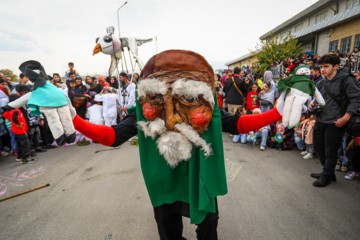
<point>303,14</point>
<point>238,59</point>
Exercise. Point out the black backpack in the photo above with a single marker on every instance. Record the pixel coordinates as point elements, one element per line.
<point>353,125</point>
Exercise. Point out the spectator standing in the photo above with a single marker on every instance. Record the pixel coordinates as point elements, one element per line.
<point>328,127</point>
<point>136,78</point>
<point>298,133</point>
<point>101,84</point>
<point>114,83</point>
<point>267,97</point>
<point>23,82</point>
<point>307,135</point>
<point>235,91</point>
<point>19,126</point>
<point>9,83</point>
<point>343,161</point>
<point>94,113</point>
<point>317,74</point>
<point>252,101</point>
<point>126,94</point>
<point>109,99</point>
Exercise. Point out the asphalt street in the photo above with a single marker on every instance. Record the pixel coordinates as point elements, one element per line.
<point>103,196</point>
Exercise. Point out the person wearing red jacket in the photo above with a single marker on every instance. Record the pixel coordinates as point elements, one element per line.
<point>19,126</point>
<point>252,97</point>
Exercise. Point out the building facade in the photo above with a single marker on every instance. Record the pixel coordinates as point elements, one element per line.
<point>324,27</point>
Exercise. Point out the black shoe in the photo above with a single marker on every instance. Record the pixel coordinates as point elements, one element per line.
<point>71,138</point>
<point>49,146</point>
<point>318,175</point>
<point>61,140</point>
<point>40,150</point>
<point>322,182</point>
<point>32,154</point>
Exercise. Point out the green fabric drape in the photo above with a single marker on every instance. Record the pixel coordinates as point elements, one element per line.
<point>197,181</point>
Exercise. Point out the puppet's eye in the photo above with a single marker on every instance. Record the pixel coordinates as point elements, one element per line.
<point>107,39</point>
<point>97,39</point>
<point>189,100</point>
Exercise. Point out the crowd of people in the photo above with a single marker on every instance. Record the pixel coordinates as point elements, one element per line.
<point>103,101</point>
<point>243,92</point>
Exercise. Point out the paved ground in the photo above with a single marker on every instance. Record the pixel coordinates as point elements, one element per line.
<point>102,195</point>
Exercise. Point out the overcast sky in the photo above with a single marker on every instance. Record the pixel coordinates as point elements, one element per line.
<point>56,32</point>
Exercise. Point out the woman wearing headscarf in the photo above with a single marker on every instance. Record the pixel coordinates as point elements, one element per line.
<point>101,84</point>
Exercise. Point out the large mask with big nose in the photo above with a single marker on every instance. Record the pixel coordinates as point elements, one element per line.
<point>176,93</point>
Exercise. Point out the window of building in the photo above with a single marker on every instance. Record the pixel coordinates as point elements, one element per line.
<point>298,27</point>
<point>333,46</point>
<point>352,3</point>
<point>357,41</point>
<point>320,17</point>
<point>345,45</point>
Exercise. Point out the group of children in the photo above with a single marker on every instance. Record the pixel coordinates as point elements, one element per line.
<point>24,129</point>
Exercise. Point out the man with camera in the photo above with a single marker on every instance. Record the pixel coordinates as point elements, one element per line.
<point>331,118</point>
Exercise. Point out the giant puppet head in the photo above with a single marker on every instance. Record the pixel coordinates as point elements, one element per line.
<point>176,93</point>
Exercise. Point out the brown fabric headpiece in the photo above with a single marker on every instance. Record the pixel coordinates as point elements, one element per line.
<point>177,60</point>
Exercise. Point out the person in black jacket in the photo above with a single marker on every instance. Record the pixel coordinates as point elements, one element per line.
<point>235,94</point>
<point>331,118</point>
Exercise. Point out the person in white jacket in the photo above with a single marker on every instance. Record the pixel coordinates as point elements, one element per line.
<point>126,94</point>
<point>95,113</point>
<point>109,99</point>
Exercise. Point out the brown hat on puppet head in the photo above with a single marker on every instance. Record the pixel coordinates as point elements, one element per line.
<point>178,60</point>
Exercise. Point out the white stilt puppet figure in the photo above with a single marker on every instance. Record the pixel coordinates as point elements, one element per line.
<point>46,99</point>
<point>115,48</point>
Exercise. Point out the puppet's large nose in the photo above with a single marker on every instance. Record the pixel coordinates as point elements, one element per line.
<point>171,117</point>
<point>97,49</point>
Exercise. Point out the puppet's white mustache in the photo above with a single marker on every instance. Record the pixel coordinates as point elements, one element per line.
<point>174,146</point>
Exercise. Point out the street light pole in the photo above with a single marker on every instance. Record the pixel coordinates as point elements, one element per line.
<point>119,19</point>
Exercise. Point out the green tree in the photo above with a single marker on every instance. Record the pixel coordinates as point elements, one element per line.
<point>8,72</point>
<point>271,50</point>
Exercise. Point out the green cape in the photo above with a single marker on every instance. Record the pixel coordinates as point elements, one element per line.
<point>197,181</point>
<point>46,96</point>
<point>299,81</point>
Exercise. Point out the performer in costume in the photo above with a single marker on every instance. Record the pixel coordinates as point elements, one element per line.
<point>48,99</point>
<point>180,140</point>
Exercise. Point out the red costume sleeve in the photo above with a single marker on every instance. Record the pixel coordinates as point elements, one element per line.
<point>99,133</point>
<point>253,122</point>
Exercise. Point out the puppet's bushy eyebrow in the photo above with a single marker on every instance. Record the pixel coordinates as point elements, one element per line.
<point>151,86</point>
<point>192,89</point>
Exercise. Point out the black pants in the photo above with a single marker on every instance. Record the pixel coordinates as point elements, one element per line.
<point>46,135</point>
<point>33,134</point>
<point>169,221</point>
<point>327,140</point>
<point>23,145</point>
<point>355,159</point>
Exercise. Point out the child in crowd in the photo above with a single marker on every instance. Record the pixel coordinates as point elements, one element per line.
<point>252,96</point>
<point>19,126</point>
<point>4,99</point>
<point>219,97</point>
<point>261,133</point>
<point>307,135</point>
<point>94,113</point>
<point>242,137</point>
<point>343,161</point>
<point>109,98</point>
<point>354,146</point>
<point>300,143</point>
<point>287,134</point>
<point>267,97</point>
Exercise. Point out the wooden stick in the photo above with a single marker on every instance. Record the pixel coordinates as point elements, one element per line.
<point>3,199</point>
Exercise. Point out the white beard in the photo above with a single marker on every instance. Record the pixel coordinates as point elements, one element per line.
<point>174,146</point>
